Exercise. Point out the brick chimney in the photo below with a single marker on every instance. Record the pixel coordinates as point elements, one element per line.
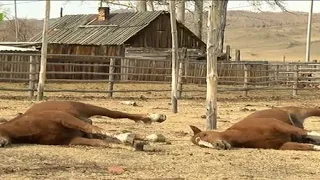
<point>103,13</point>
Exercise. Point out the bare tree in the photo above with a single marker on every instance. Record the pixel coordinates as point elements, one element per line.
<point>215,32</point>
<point>141,5</point>
<point>127,4</point>
<point>272,3</point>
<point>223,17</point>
<point>27,29</point>
<point>215,23</point>
<point>151,5</point>
<point>181,10</point>
<point>198,17</point>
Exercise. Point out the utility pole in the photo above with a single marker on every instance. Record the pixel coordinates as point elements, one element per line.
<point>309,32</point>
<point>16,20</point>
<point>101,3</point>
<point>44,47</point>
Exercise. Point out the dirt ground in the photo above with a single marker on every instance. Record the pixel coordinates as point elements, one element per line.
<point>179,160</point>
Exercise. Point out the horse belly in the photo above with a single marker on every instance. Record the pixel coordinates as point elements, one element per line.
<point>58,136</point>
<point>51,134</point>
<point>272,141</point>
<point>262,139</point>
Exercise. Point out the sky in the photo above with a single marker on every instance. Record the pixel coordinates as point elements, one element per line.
<point>35,8</point>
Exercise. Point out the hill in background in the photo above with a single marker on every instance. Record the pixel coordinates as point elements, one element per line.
<point>269,35</point>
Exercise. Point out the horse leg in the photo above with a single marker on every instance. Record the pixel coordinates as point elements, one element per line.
<point>75,123</point>
<point>299,147</point>
<point>4,141</point>
<point>146,118</point>
<point>87,120</point>
<point>96,142</point>
<point>287,128</point>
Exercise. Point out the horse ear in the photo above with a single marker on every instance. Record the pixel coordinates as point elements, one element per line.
<point>195,129</point>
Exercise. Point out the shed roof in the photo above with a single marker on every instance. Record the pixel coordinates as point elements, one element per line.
<point>80,29</point>
<point>15,49</point>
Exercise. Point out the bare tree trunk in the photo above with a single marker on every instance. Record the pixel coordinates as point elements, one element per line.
<point>181,11</point>
<point>214,29</point>
<point>141,5</point>
<point>150,3</point>
<point>198,11</point>
<point>174,101</point>
<point>44,47</point>
<point>223,10</point>
<point>16,21</point>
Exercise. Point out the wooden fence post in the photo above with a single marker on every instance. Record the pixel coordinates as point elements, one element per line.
<point>111,76</point>
<point>245,82</point>
<point>183,55</point>
<point>44,52</point>
<point>277,75</point>
<point>295,80</point>
<point>288,75</point>
<point>174,65</point>
<point>32,76</point>
<point>237,55</point>
<point>228,53</point>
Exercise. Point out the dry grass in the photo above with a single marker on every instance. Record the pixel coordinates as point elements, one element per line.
<point>181,159</point>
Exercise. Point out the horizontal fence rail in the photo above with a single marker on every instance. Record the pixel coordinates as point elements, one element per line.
<point>232,75</point>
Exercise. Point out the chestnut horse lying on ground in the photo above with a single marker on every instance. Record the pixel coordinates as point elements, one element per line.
<point>84,111</point>
<point>67,123</point>
<point>277,128</point>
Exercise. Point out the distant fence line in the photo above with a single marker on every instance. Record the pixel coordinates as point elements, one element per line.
<point>242,76</point>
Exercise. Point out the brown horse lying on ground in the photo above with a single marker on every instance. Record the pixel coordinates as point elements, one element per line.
<point>84,111</point>
<point>289,114</point>
<point>66,123</point>
<point>277,128</point>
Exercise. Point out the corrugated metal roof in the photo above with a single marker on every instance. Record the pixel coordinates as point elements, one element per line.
<point>74,29</point>
<point>11,48</point>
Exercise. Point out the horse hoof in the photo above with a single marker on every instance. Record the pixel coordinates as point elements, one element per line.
<point>139,145</point>
<point>156,138</point>
<point>222,145</point>
<point>3,142</point>
<point>157,117</point>
<point>127,138</point>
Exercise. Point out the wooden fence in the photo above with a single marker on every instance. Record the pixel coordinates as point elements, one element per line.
<point>125,68</point>
<point>242,76</point>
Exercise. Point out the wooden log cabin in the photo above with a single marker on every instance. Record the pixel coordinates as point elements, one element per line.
<point>110,34</point>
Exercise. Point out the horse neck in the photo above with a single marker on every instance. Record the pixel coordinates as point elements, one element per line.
<point>230,135</point>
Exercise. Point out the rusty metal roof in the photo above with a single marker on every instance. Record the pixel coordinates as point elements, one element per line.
<point>82,29</point>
